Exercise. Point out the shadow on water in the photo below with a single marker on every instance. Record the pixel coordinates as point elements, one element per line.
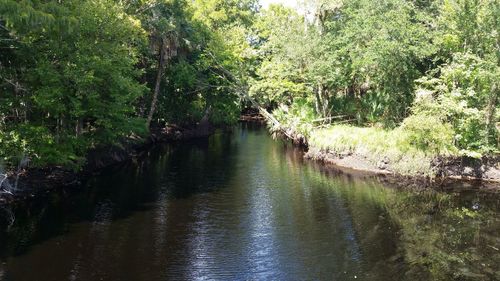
<point>241,206</point>
<point>120,191</point>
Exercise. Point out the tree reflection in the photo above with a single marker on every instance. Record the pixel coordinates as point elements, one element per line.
<point>442,235</point>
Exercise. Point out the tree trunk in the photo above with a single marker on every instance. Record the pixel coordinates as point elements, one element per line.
<point>490,112</point>
<point>78,127</point>
<point>159,75</point>
<point>325,101</point>
<point>322,101</point>
<point>317,101</point>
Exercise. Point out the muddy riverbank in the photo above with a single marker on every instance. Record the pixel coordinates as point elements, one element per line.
<point>33,181</point>
<point>485,169</point>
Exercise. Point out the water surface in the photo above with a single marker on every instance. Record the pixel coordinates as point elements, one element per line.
<point>242,206</point>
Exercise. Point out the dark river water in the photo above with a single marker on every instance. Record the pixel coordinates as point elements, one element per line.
<point>242,206</point>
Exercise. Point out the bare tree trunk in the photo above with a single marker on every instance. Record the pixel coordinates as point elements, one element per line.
<point>78,127</point>
<point>322,101</point>
<point>241,90</point>
<point>317,101</point>
<point>159,75</point>
<point>490,111</point>
<point>326,103</point>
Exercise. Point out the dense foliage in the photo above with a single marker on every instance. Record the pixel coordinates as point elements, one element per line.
<point>79,74</point>
<point>428,68</point>
<point>68,77</point>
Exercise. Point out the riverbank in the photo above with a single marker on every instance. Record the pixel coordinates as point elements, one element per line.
<point>35,180</point>
<point>385,153</point>
<point>459,168</point>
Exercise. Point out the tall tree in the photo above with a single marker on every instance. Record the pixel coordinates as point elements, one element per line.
<point>80,86</point>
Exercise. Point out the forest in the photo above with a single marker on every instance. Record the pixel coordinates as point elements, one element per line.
<point>403,80</point>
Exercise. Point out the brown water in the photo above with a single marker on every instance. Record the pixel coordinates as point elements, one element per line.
<point>242,206</point>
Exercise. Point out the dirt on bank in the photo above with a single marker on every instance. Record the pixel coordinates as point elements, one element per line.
<point>32,181</point>
<point>485,169</point>
<point>462,168</point>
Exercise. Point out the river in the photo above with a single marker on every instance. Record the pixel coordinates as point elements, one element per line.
<point>242,206</point>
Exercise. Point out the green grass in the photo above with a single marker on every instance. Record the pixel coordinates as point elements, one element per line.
<point>377,144</point>
<point>408,149</point>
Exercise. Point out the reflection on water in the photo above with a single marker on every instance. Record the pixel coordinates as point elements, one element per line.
<point>244,207</point>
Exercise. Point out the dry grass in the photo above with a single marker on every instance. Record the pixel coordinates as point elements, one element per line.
<point>376,145</point>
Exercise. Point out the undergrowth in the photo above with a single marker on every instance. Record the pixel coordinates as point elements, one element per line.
<point>396,147</point>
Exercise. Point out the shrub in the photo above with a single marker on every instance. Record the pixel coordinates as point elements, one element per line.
<point>428,133</point>
<point>299,116</point>
<point>464,95</point>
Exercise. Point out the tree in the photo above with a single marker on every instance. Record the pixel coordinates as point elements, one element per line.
<point>164,21</point>
<point>80,87</point>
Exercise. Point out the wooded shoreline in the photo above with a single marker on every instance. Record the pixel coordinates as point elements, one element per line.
<point>460,168</point>
<point>485,169</point>
<point>401,87</point>
<point>36,181</point>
